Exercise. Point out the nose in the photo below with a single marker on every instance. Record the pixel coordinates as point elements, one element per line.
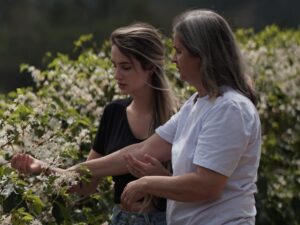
<point>174,59</point>
<point>118,74</point>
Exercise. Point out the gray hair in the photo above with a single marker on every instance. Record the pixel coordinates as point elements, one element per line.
<point>206,34</point>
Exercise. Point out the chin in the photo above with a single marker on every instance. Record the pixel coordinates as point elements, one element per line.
<point>124,92</point>
<point>182,77</point>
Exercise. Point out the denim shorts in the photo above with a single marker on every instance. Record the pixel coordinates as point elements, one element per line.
<point>122,217</point>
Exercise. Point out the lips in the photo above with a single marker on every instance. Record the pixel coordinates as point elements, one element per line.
<point>122,85</point>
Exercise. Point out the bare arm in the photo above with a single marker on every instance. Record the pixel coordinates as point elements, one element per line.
<point>88,188</point>
<point>110,165</point>
<point>115,163</point>
<point>204,185</point>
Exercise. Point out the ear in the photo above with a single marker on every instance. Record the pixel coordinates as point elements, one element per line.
<point>151,69</point>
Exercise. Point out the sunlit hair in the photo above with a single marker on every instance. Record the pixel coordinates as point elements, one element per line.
<point>143,42</point>
<point>206,34</point>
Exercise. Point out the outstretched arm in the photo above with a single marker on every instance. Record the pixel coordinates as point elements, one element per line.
<point>110,165</point>
<point>115,163</point>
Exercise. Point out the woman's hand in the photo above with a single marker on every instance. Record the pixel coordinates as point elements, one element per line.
<point>26,164</point>
<point>85,189</point>
<point>132,193</point>
<point>150,167</point>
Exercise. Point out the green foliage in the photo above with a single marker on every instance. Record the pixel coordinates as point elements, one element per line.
<point>274,57</point>
<point>56,120</point>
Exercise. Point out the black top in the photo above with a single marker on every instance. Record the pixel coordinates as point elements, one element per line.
<point>113,134</point>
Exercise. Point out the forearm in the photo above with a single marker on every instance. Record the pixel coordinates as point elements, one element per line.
<point>115,163</point>
<point>90,187</point>
<point>186,188</point>
<point>46,168</point>
<point>112,164</point>
<point>54,170</point>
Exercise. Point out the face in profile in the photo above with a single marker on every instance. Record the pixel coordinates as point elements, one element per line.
<point>129,74</point>
<point>187,64</point>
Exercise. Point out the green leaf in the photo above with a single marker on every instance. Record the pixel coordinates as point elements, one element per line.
<point>12,201</point>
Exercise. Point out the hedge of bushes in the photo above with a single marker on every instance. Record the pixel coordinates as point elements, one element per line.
<point>57,119</point>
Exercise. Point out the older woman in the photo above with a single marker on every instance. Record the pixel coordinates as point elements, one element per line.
<point>214,140</point>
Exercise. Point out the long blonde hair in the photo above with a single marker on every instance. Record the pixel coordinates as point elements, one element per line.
<point>207,35</point>
<point>143,42</point>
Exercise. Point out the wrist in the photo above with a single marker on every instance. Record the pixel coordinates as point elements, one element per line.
<point>167,173</point>
<point>45,169</point>
<point>144,184</point>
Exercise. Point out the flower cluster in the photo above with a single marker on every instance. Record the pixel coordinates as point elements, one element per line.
<point>55,122</point>
<point>57,119</point>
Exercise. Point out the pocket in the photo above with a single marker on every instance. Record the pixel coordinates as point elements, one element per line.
<point>158,219</point>
<point>115,217</point>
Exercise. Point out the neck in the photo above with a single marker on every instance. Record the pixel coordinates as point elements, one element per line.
<point>200,89</point>
<point>143,101</point>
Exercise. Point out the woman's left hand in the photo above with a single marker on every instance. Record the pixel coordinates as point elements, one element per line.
<point>132,193</point>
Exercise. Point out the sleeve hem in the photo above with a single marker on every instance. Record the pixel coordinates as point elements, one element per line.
<point>219,170</point>
<point>163,135</point>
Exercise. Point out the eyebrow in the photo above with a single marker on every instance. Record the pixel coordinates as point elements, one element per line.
<point>122,63</point>
<point>176,48</point>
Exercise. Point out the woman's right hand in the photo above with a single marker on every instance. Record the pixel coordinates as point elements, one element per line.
<point>149,167</point>
<point>26,164</point>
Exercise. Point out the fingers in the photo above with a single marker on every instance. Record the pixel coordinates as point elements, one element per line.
<point>17,162</point>
<point>150,167</point>
<point>22,162</point>
<point>75,189</point>
<point>134,172</point>
<point>152,160</point>
<point>133,162</point>
<point>129,197</point>
<point>135,206</point>
<point>134,166</point>
<point>13,161</point>
<point>157,167</point>
<point>124,198</point>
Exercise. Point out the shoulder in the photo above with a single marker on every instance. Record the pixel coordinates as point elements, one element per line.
<point>188,103</point>
<point>235,105</point>
<point>231,104</point>
<point>234,99</point>
<point>119,104</point>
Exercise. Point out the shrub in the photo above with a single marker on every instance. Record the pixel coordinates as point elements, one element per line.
<point>56,120</point>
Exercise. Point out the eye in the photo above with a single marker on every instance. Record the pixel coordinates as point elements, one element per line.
<point>126,67</point>
<point>178,51</point>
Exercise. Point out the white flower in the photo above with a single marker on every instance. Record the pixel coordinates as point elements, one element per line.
<point>36,222</point>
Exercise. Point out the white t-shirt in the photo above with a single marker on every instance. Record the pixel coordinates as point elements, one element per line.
<point>223,135</point>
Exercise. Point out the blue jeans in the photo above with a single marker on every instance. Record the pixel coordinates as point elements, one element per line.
<point>122,217</point>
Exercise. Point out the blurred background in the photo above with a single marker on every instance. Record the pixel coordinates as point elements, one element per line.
<point>30,28</point>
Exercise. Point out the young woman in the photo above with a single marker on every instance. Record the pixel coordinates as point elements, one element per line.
<point>137,54</point>
<point>214,140</point>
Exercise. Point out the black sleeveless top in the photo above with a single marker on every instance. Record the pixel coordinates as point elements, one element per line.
<point>113,134</point>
